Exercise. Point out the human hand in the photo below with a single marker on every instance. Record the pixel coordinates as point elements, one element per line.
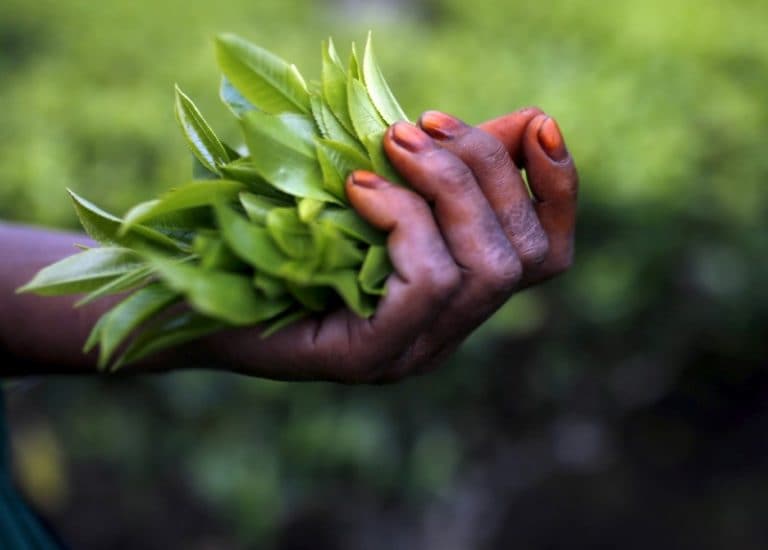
<point>462,240</point>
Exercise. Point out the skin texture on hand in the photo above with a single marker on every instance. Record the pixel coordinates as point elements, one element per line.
<point>464,238</point>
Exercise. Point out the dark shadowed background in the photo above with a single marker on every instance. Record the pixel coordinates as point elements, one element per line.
<point>623,405</point>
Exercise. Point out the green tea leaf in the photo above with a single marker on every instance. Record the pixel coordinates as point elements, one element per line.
<point>294,133</point>
<point>353,68</point>
<point>281,322</point>
<point>242,170</point>
<point>290,233</point>
<point>201,138</point>
<point>264,79</point>
<point>310,209</point>
<point>378,89</point>
<point>333,181</point>
<point>334,84</point>
<point>200,172</point>
<point>126,316</point>
<point>95,335</point>
<point>182,225</point>
<point>105,228</point>
<point>336,250</point>
<point>272,287</point>
<point>349,222</point>
<point>376,268</point>
<point>189,195</point>
<point>302,127</point>
<point>365,118</point>
<point>314,298</point>
<point>129,280</point>
<point>83,272</point>
<point>225,296</point>
<point>337,161</point>
<point>341,253</point>
<point>381,164</point>
<point>215,255</point>
<point>258,206</point>
<point>330,128</point>
<point>282,158</point>
<point>233,99</point>
<point>345,283</point>
<point>254,245</point>
<point>166,334</point>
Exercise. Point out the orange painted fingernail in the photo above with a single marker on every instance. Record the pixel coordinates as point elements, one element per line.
<point>439,125</point>
<point>366,179</point>
<point>551,140</point>
<point>410,137</point>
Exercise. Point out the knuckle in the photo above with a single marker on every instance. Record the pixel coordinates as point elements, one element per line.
<point>442,279</point>
<point>563,182</point>
<point>452,171</point>
<point>535,248</point>
<point>537,253</point>
<point>520,219</point>
<point>409,201</point>
<point>491,152</point>
<point>502,272</point>
<point>416,204</point>
<point>524,229</point>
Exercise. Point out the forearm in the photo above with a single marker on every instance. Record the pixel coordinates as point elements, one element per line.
<point>45,335</point>
<point>42,335</point>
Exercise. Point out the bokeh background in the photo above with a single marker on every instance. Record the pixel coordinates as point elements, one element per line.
<point>623,405</point>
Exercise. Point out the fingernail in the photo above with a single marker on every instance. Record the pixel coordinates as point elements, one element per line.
<point>439,125</point>
<point>366,179</point>
<point>410,137</point>
<point>551,140</point>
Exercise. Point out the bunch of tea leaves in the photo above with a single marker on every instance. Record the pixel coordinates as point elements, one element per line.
<point>263,234</point>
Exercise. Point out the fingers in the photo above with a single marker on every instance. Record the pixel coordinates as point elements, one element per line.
<point>554,182</point>
<point>490,266</point>
<point>342,346</point>
<point>425,274</point>
<point>416,248</point>
<point>467,222</point>
<point>499,179</point>
<point>509,130</point>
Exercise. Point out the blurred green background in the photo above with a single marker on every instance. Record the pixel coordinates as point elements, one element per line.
<point>624,404</point>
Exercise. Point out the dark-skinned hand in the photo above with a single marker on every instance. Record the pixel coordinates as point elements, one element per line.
<point>462,240</point>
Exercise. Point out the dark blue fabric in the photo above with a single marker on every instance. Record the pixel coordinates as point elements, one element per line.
<point>20,529</point>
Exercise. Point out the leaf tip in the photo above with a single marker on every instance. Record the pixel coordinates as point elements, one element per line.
<point>224,38</point>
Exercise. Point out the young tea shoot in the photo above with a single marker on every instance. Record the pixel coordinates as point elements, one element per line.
<point>262,234</point>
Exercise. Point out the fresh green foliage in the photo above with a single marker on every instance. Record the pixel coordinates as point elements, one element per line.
<point>266,236</point>
<point>83,272</point>
<point>202,140</point>
<point>129,314</point>
<point>665,307</point>
<point>262,78</point>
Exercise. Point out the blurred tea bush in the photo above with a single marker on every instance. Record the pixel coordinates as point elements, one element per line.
<point>633,386</point>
